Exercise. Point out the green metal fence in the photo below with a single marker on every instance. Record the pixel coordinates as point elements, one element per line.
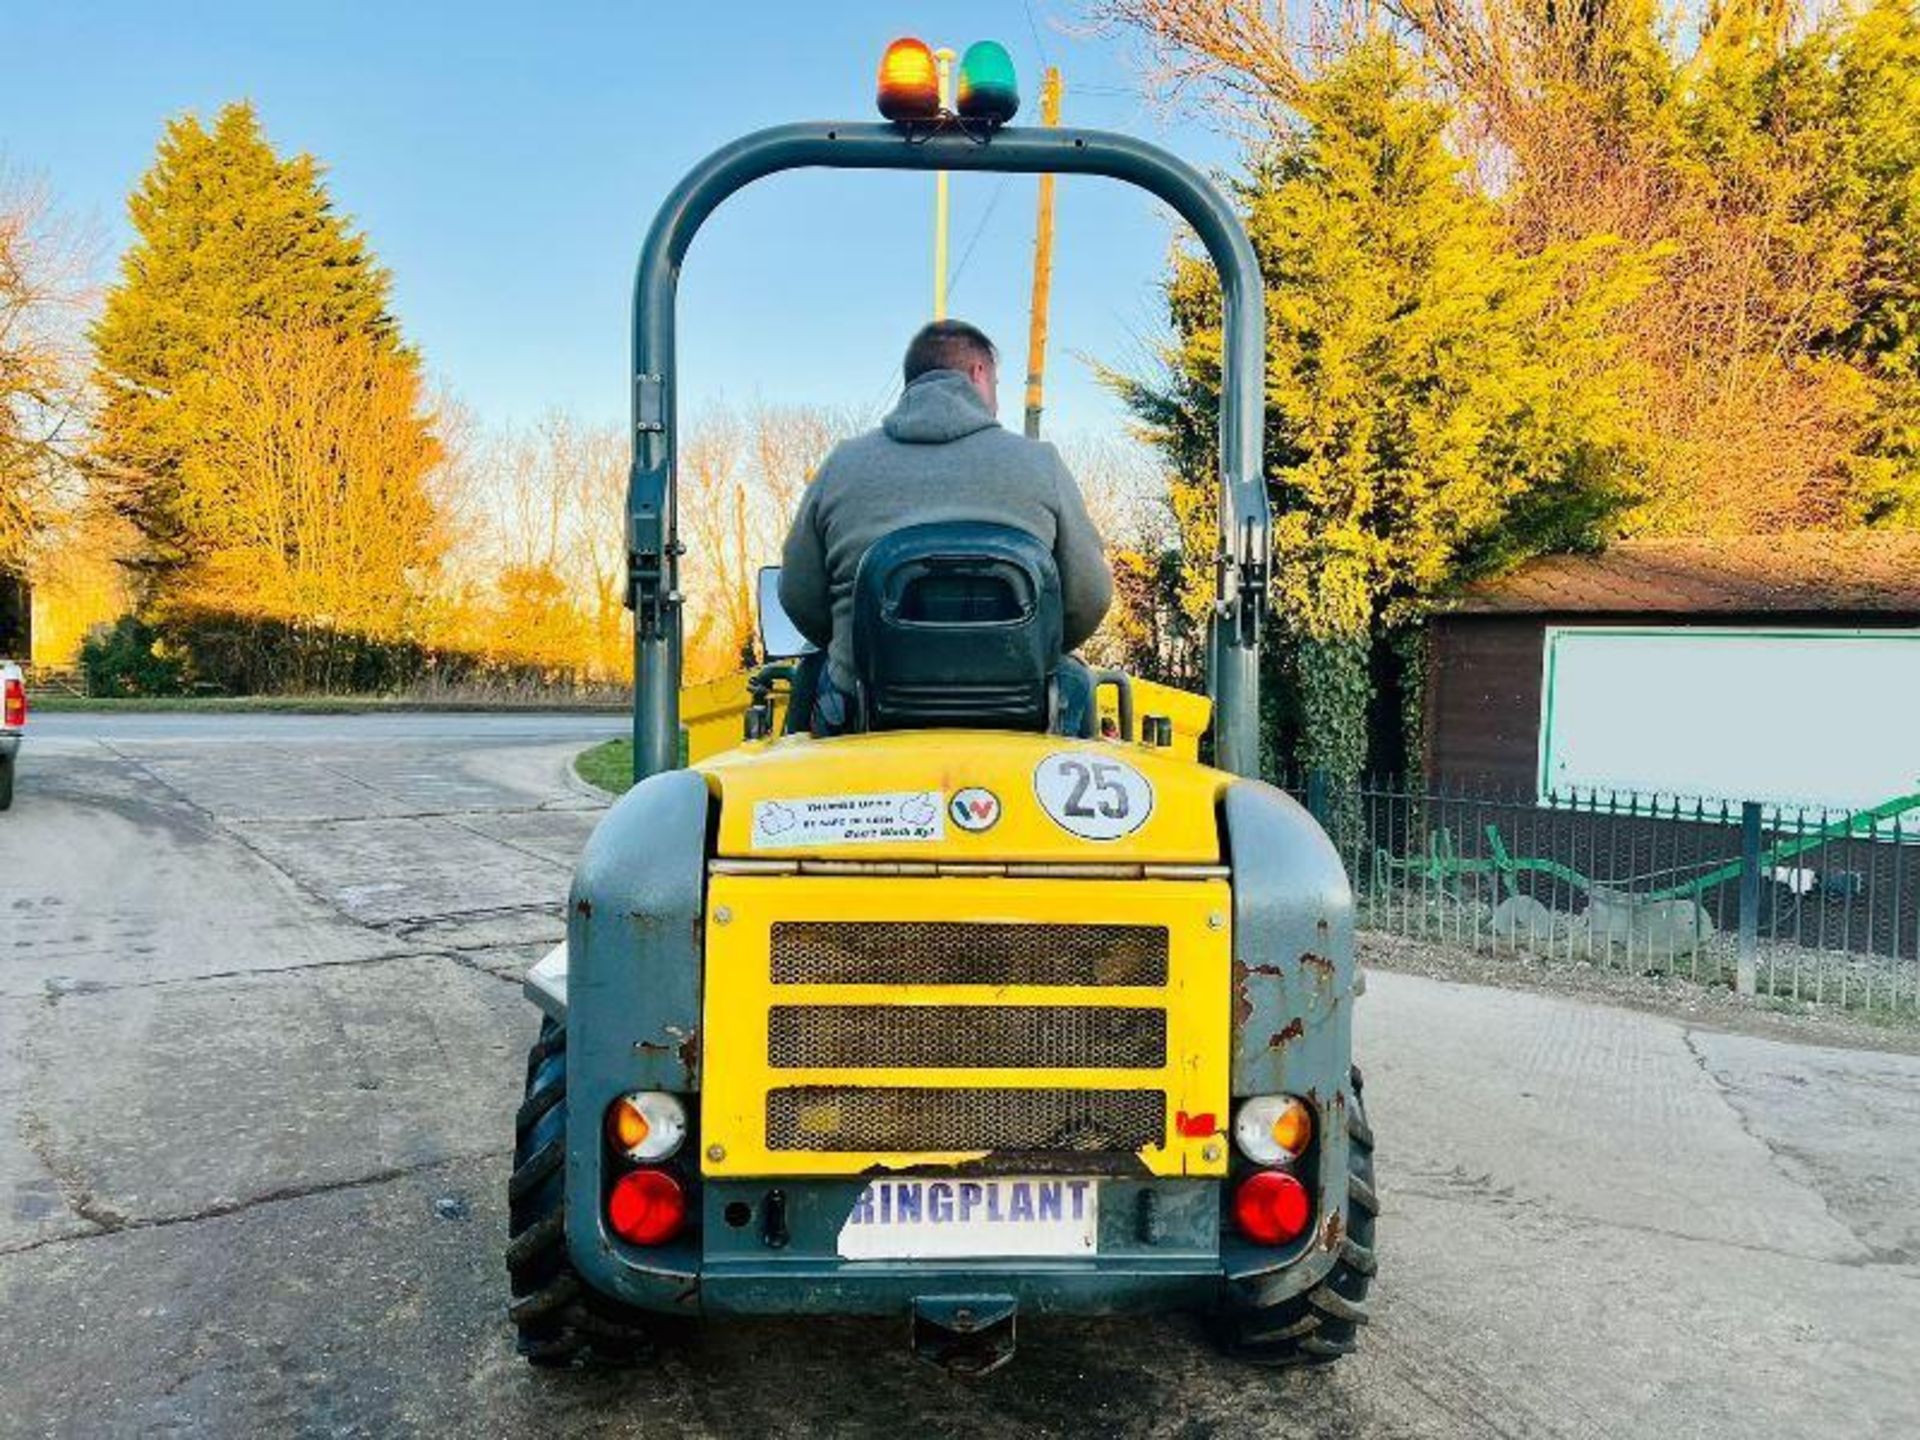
<point>1796,902</point>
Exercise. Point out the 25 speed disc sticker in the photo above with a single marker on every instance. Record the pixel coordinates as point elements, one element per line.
<point>1091,796</point>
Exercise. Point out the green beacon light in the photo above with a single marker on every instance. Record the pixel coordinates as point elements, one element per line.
<point>987,89</point>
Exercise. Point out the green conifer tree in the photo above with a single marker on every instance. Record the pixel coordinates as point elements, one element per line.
<point>1437,403</point>
<point>1867,67</point>
<point>228,233</point>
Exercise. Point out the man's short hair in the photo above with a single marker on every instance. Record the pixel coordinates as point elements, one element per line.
<point>947,345</point>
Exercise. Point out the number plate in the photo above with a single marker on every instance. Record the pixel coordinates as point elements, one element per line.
<point>919,1219</point>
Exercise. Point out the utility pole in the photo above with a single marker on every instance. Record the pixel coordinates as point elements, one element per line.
<point>944,56</point>
<point>1042,267</point>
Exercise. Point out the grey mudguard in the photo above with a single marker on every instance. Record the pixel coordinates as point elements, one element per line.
<point>1293,974</point>
<point>633,1012</point>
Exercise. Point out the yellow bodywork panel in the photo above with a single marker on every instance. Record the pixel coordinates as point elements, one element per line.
<point>741,991</point>
<point>1188,712</point>
<point>1177,823</point>
<point>714,713</point>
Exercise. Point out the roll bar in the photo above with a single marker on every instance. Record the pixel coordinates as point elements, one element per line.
<point>653,547</point>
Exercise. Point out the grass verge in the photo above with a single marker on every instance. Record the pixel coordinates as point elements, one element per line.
<point>610,766</point>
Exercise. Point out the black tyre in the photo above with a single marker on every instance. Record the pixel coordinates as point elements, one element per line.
<point>6,783</point>
<point>559,1320</point>
<point>1317,1328</point>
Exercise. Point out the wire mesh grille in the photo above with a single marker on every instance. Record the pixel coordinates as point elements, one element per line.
<point>904,1118</point>
<point>1054,1037</point>
<point>835,952</point>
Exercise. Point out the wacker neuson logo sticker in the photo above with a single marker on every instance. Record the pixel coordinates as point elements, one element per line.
<point>974,808</point>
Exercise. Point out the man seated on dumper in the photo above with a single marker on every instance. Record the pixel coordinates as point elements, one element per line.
<point>940,455</point>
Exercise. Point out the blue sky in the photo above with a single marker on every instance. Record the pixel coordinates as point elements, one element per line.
<point>504,160</point>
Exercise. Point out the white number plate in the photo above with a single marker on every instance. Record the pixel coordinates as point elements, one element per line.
<point>920,1219</point>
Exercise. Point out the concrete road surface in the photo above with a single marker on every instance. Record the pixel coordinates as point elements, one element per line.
<point>260,1046</point>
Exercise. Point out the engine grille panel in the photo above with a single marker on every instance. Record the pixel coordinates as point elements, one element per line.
<point>833,952</point>
<point>1022,1037</point>
<point>862,1021</point>
<point>904,1118</point>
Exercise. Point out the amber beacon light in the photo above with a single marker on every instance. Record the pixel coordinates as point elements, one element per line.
<point>909,82</point>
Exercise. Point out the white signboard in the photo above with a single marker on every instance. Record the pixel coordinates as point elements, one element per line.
<point>849,819</point>
<point>1825,718</point>
<point>914,1219</point>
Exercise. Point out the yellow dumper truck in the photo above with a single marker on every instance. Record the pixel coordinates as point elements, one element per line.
<point>982,1009</point>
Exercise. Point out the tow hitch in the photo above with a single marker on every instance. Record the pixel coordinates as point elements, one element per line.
<point>968,1334</point>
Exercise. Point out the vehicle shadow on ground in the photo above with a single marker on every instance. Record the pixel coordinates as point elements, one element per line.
<point>1121,1376</point>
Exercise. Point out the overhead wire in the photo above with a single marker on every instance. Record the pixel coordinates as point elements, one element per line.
<point>892,381</point>
<point>1038,43</point>
<point>993,203</point>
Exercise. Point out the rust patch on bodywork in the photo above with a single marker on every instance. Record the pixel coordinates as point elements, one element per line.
<point>1242,1002</point>
<point>1317,962</point>
<point>1294,1029</point>
<point>683,1045</point>
<point>1332,1231</point>
<point>584,908</point>
<point>1242,976</point>
<point>1124,1165</point>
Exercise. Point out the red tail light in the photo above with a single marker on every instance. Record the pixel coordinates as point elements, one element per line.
<point>1271,1208</point>
<point>16,704</point>
<point>647,1207</point>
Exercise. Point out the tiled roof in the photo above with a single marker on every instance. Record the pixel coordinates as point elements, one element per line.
<point>1876,571</point>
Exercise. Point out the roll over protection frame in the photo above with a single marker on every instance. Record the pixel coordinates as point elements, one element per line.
<point>653,548</point>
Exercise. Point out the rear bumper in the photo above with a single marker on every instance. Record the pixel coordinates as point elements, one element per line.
<point>873,1287</point>
<point>771,1248</point>
<point>9,743</point>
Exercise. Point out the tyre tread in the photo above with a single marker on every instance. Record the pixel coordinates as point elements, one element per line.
<point>559,1321</point>
<point>539,1167</point>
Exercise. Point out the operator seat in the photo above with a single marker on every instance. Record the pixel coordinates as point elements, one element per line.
<point>957,625</point>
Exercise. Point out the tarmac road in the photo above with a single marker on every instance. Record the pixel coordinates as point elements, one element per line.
<point>260,1046</point>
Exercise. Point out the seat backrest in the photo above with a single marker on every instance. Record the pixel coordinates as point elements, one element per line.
<point>957,625</point>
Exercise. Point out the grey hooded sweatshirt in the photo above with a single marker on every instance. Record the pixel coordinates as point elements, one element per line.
<point>939,456</point>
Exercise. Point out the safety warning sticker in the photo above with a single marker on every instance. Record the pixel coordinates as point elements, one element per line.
<point>849,819</point>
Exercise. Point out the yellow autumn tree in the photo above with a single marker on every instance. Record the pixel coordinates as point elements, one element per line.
<point>543,581</point>
<point>307,492</point>
<point>741,474</point>
<point>42,290</point>
<point>1762,152</point>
